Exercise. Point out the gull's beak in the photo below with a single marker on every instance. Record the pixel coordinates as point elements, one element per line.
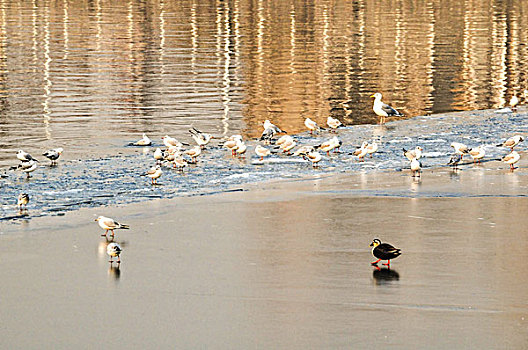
<point>96,219</point>
<point>371,244</point>
<point>372,96</point>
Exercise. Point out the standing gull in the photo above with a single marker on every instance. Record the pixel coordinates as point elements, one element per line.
<point>413,153</point>
<point>114,250</point>
<point>460,148</point>
<point>53,154</point>
<point>333,123</point>
<point>416,167</point>
<point>477,154</point>
<point>455,159</point>
<point>312,126</point>
<point>23,200</point>
<point>511,159</point>
<point>262,152</point>
<point>383,110</point>
<point>28,167</point>
<point>154,173</point>
<point>514,101</point>
<point>511,142</point>
<point>201,138</point>
<point>24,156</point>
<point>109,224</point>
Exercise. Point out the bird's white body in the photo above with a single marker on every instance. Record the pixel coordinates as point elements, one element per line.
<point>416,167</point>
<point>414,154</point>
<point>114,251</point>
<point>311,125</point>
<point>477,153</point>
<point>371,148</point>
<point>240,148</point>
<point>514,101</point>
<point>154,173</point>
<point>144,141</point>
<point>460,148</point>
<point>194,152</point>
<point>171,141</point>
<point>28,167</point>
<point>383,110</point>
<point>333,123</point>
<point>53,154</point>
<point>262,151</point>
<point>314,157</point>
<point>512,141</point>
<point>511,158</point>
<point>24,156</point>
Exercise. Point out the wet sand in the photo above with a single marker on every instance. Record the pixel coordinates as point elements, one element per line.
<point>281,265</point>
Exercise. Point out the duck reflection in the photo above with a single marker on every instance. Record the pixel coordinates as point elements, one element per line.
<point>385,275</point>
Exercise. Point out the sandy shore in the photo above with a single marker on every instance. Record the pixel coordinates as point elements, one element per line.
<point>281,265</point>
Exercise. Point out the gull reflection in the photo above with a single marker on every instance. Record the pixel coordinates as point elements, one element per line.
<point>384,275</point>
<point>101,248</point>
<point>114,272</point>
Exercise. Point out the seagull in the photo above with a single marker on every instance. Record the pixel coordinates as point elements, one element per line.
<point>23,200</point>
<point>288,145</point>
<point>171,141</point>
<point>53,154</point>
<point>194,152</point>
<point>262,152</point>
<point>240,148</point>
<point>144,141</point>
<point>477,154</point>
<point>361,151</point>
<point>511,142</point>
<point>270,130</point>
<point>269,125</point>
<point>314,157</point>
<point>154,173</point>
<point>114,250</point>
<point>109,224</point>
<point>513,103</point>
<point>371,148</point>
<point>28,167</point>
<point>329,145</point>
<point>416,167</point>
<point>333,123</point>
<point>158,154</point>
<point>231,143</point>
<point>455,159</point>
<point>312,126</point>
<point>179,162</point>
<point>303,151</point>
<point>25,157</point>
<point>460,148</point>
<point>414,153</point>
<point>511,159</point>
<point>201,138</point>
<point>383,110</point>
<point>384,251</point>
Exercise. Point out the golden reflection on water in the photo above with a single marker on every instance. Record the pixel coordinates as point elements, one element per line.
<point>226,66</point>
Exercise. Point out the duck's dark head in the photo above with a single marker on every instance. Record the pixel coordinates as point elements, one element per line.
<point>376,242</point>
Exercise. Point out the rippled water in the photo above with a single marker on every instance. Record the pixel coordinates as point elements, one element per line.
<point>86,75</point>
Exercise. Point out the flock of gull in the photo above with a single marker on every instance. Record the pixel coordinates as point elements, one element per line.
<point>175,155</point>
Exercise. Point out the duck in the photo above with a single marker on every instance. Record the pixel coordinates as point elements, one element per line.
<point>114,250</point>
<point>109,224</point>
<point>384,251</point>
<point>383,110</point>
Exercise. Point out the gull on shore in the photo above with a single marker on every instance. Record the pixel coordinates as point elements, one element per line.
<point>240,149</point>
<point>314,157</point>
<point>330,145</point>
<point>511,142</point>
<point>269,132</point>
<point>262,152</point>
<point>383,110</point>
<point>414,153</point>
<point>114,251</point>
<point>144,141</point>
<point>416,167</point>
<point>109,224</point>
<point>454,160</point>
<point>23,200</point>
<point>477,154</point>
<point>53,154</point>
<point>232,143</point>
<point>24,156</point>
<point>312,126</point>
<point>287,144</point>
<point>511,159</point>
<point>460,148</point>
<point>371,148</point>
<point>171,141</point>
<point>201,138</point>
<point>361,152</point>
<point>28,167</point>
<point>333,123</point>
<point>194,152</point>
<point>154,173</point>
<point>514,101</point>
<point>158,155</point>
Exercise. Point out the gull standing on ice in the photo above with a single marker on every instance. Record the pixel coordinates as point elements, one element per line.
<point>194,152</point>
<point>414,153</point>
<point>53,154</point>
<point>24,156</point>
<point>23,200</point>
<point>158,155</point>
<point>333,123</point>
<point>154,173</point>
<point>109,224</point>
<point>460,148</point>
<point>171,141</point>
<point>114,250</point>
<point>262,152</point>
<point>314,157</point>
<point>416,167</point>
<point>312,126</point>
<point>477,154</point>
<point>28,167</point>
<point>514,101</point>
<point>383,110</point>
<point>455,159</point>
<point>511,142</point>
<point>201,138</point>
<point>511,159</point>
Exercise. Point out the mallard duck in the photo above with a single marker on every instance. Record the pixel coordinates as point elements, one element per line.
<point>384,251</point>
<point>383,110</point>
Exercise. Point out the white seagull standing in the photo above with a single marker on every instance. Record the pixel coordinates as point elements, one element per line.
<point>514,101</point>
<point>201,138</point>
<point>460,148</point>
<point>383,110</point>
<point>414,153</point>
<point>154,173</point>
<point>511,159</point>
<point>53,154</point>
<point>114,250</point>
<point>477,154</point>
<point>511,142</point>
<point>24,156</point>
<point>416,167</point>
<point>28,167</point>
<point>333,123</point>
<point>171,141</point>
<point>262,152</point>
<point>109,224</point>
<point>312,126</point>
